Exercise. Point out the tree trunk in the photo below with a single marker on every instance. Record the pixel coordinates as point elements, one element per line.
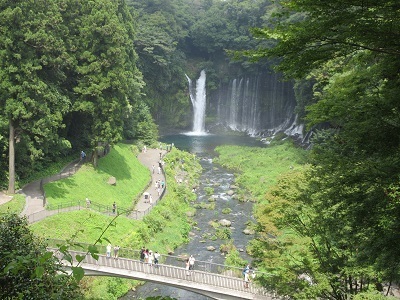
<point>95,158</point>
<point>11,159</point>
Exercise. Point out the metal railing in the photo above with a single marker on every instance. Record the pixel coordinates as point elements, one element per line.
<point>73,205</point>
<point>171,260</point>
<point>169,271</point>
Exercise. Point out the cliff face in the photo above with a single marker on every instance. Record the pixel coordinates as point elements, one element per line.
<point>259,104</point>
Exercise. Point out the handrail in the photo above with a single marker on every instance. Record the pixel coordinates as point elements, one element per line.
<point>198,276</point>
<point>171,260</point>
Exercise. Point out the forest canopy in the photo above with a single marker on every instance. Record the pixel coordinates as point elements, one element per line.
<point>83,75</point>
<point>345,207</point>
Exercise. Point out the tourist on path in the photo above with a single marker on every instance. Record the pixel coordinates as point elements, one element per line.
<point>142,256</point>
<point>114,207</point>
<point>108,251</point>
<point>191,262</point>
<point>156,257</point>
<point>116,249</point>
<point>246,279</point>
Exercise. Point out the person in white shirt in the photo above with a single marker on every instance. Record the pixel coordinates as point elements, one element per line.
<point>191,262</point>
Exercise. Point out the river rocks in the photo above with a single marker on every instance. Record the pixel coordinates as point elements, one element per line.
<point>225,222</point>
<point>212,198</point>
<point>230,192</point>
<point>248,231</point>
<point>211,248</point>
<point>233,187</point>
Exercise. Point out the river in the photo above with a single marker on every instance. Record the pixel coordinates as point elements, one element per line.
<point>216,177</point>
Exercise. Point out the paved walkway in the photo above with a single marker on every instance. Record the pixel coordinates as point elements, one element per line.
<point>34,196</point>
<point>149,158</point>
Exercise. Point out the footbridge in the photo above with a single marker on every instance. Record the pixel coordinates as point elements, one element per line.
<point>216,286</point>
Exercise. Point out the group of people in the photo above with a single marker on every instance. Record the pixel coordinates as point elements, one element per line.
<point>108,251</point>
<point>149,257</point>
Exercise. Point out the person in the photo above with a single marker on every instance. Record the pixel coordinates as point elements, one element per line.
<point>151,258</point>
<point>156,257</point>
<point>246,268</point>
<point>146,256</point>
<point>151,199</point>
<point>187,267</point>
<point>153,167</point>
<point>116,248</point>
<point>108,251</point>
<point>191,262</point>
<point>246,279</point>
<point>114,207</point>
<point>83,155</point>
<point>142,254</point>
<point>88,202</point>
<point>159,170</point>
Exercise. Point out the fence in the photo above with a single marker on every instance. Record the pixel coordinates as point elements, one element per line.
<point>171,260</point>
<point>73,205</point>
<point>198,275</point>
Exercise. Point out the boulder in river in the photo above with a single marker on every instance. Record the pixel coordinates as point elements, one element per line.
<point>225,222</point>
<point>248,231</point>
<point>211,248</point>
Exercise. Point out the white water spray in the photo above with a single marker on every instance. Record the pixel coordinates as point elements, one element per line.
<point>198,99</point>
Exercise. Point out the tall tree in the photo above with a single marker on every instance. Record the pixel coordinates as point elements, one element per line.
<point>31,57</point>
<point>107,78</point>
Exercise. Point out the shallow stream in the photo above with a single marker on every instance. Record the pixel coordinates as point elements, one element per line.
<point>220,180</point>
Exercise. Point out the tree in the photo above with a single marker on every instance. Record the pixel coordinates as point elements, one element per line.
<point>347,52</point>
<point>31,59</point>
<point>107,79</point>
<point>28,271</point>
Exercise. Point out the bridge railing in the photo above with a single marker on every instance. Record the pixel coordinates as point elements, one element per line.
<point>180,273</point>
<point>170,260</point>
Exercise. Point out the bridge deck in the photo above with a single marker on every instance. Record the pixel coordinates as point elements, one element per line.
<point>213,285</point>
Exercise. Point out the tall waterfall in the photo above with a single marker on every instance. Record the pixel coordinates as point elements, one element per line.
<point>256,105</point>
<point>198,99</point>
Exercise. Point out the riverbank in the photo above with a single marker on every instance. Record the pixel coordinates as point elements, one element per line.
<point>163,229</point>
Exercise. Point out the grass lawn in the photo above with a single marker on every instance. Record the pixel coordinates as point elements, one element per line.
<point>121,163</point>
<point>86,226</point>
<point>15,205</point>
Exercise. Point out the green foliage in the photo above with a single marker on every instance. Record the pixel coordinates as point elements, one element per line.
<point>226,211</point>
<point>223,233</point>
<point>233,258</point>
<point>29,271</point>
<point>209,190</point>
<point>258,168</point>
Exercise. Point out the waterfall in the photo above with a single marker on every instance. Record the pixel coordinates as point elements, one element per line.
<point>257,105</point>
<point>198,99</point>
